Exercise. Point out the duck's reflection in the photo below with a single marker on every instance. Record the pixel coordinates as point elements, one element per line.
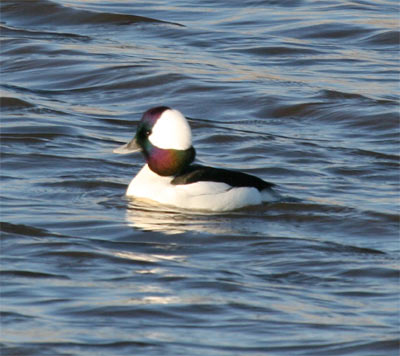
<point>148,216</point>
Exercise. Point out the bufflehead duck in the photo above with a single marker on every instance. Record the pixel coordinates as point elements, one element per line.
<point>169,177</point>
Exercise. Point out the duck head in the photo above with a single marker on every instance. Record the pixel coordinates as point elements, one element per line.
<point>164,137</point>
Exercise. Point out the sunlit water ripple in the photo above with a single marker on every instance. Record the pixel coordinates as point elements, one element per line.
<point>300,93</point>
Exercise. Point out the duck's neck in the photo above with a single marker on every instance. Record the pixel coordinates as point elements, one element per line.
<point>168,162</point>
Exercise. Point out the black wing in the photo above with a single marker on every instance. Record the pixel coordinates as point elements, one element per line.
<point>197,173</point>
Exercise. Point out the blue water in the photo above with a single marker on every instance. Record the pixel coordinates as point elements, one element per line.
<point>300,93</point>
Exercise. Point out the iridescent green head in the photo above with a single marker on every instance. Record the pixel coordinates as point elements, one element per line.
<point>164,137</point>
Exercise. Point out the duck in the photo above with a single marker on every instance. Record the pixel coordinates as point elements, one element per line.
<point>170,177</point>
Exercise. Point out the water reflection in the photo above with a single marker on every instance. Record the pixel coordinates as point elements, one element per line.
<point>148,216</point>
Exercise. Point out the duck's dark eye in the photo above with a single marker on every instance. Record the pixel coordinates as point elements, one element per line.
<point>143,132</point>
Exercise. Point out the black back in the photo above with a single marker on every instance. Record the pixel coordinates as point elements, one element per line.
<point>198,173</point>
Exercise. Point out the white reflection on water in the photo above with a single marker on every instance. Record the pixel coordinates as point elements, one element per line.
<point>252,220</point>
<point>151,217</point>
<point>147,257</point>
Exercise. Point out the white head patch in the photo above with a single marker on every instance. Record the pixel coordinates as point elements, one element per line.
<point>171,131</point>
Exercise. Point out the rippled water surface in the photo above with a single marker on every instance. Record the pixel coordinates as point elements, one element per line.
<point>300,93</point>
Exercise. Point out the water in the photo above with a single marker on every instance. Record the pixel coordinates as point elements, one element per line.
<point>300,93</point>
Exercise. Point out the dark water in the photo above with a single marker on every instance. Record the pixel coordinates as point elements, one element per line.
<point>300,93</point>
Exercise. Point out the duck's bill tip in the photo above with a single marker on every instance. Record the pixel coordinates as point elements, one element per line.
<point>129,147</point>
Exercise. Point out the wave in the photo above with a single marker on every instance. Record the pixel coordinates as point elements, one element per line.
<point>11,103</point>
<point>45,12</point>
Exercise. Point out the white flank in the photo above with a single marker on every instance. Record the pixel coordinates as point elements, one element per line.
<point>210,196</point>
